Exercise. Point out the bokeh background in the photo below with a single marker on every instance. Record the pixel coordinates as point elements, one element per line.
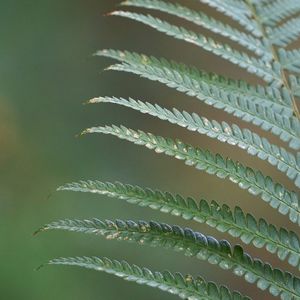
<point>46,72</point>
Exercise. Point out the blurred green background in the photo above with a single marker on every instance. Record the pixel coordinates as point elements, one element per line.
<point>46,72</point>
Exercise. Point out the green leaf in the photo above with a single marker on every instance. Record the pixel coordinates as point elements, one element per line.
<point>286,244</point>
<point>294,82</point>
<point>235,10</point>
<point>212,91</point>
<point>199,18</point>
<point>245,139</point>
<point>185,287</point>
<point>255,66</point>
<point>286,33</point>
<point>290,60</point>
<point>193,244</point>
<point>254,182</point>
<point>277,11</point>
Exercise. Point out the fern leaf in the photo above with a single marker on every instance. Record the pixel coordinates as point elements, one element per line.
<point>275,99</point>
<point>254,182</point>
<point>239,6</point>
<point>245,139</point>
<point>199,18</point>
<point>294,82</point>
<point>238,224</point>
<point>233,11</point>
<point>261,2</point>
<point>206,89</point>
<point>267,72</point>
<point>290,60</point>
<point>185,287</point>
<point>193,244</point>
<point>285,34</point>
<point>277,11</point>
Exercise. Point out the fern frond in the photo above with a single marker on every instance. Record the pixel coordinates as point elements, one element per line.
<point>177,74</point>
<point>211,90</point>
<point>199,18</point>
<point>286,33</point>
<point>193,244</point>
<point>234,11</point>
<point>268,72</point>
<point>239,6</point>
<point>290,60</point>
<point>261,2</point>
<point>254,182</point>
<point>244,139</point>
<point>294,82</point>
<point>185,287</point>
<point>286,244</point>
<point>277,11</point>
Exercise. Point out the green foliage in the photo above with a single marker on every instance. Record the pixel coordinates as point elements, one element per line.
<point>236,223</point>
<point>277,11</point>
<point>285,161</point>
<point>193,244</point>
<point>185,287</point>
<point>201,19</point>
<point>285,34</point>
<point>254,182</point>
<point>265,29</point>
<point>251,64</point>
<point>207,89</point>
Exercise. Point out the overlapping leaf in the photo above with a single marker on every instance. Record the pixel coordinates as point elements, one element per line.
<point>238,224</point>
<point>266,71</point>
<point>199,18</point>
<point>185,287</point>
<point>286,33</point>
<point>251,142</point>
<point>278,11</point>
<point>236,12</point>
<point>211,90</point>
<point>294,82</point>
<point>193,244</point>
<point>273,108</point>
<point>254,182</point>
<point>290,60</point>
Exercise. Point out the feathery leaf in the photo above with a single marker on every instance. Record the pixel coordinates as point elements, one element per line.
<point>286,244</point>
<point>286,33</point>
<point>199,18</point>
<point>231,9</point>
<point>294,82</point>
<point>290,60</point>
<point>277,11</point>
<point>193,244</point>
<point>185,287</point>
<point>258,67</point>
<point>211,90</point>
<point>285,161</point>
<point>254,182</point>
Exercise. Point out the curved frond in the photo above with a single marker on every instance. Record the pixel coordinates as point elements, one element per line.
<point>177,74</point>
<point>243,138</point>
<point>255,66</point>
<point>199,18</point>
<point>211,90</point>
<point>277,11</point>
<point>286,244</point>
<point>193,244</point>
<point>254,182</point>
<point>234,11</point>
<point>286,33</point>
<point>185,287</point>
